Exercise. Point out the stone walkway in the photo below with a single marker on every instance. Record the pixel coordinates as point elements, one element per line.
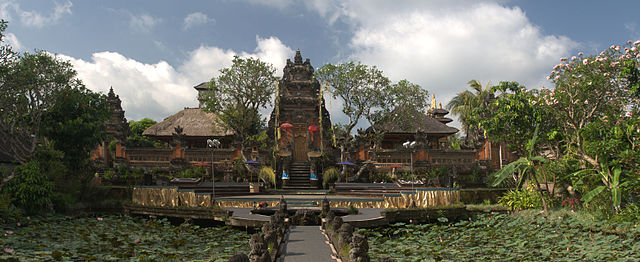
<point>307,244</point>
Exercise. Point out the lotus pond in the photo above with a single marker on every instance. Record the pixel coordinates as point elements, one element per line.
<point>503,237</point>
<point>118,238</point>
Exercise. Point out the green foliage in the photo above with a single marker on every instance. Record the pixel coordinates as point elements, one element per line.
<point>330,176</point>
<point>137,127</point>
<point>29,89</point>
<point>136,139</point>
<point>363,91</point>
<point>240,169</point>
<point>8,211</point>
<point>524,167</point>
<point>521,199</point>
<point>611,181</point>
<point>500,237</point>
<point>193,172</point>
<point>267,175</point>
<point>238,94</point>
<point>75,124</point>
<point>30,189</point>
<point>513,117</point>
<point>630,213</point>
<point>119,238</point>
<point>380,176</point>
<point>470,107</point>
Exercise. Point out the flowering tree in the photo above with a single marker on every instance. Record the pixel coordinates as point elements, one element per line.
<point>593,87</point>
<point>596,103</point>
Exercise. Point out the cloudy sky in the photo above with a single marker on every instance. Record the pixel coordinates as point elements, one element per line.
<point>153,52</point>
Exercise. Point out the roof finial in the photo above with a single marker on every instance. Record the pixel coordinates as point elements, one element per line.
<point>433,101</point>
<point>298,58</point>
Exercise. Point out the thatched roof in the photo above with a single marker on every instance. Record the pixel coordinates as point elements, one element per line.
<point>202,86</point>
<point>194,122</point>
<point>424,123</point>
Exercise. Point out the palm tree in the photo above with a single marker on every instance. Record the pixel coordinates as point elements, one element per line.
<point>525,168</point>
<point>466,102</point>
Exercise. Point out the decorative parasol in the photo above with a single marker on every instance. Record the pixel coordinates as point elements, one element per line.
<point>287,127</point>
<point>393,170</point>
<point>313,129</point>
<point>346,163</point>
<point>251,162</point>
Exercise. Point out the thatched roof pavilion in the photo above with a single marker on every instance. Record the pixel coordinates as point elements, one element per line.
<point>197,126</point>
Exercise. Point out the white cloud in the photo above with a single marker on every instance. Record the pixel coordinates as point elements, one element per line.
<point>143,22</point>
<point>196,19</point>
<point>442,45</point>
<point>4,10</point>
<point>160,90</point>
<point>35,18</point>
<point>12,40</point>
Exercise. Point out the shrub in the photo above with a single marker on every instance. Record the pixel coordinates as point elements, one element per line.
<point>30,189</point>
<point>570,202</point>
<point>379,176</point>
<point>630,213</point>
<point>521,199</point>
<point>329,176</point>
<point>8,212</point>
<point>267,175</point>
<point>193,172</point>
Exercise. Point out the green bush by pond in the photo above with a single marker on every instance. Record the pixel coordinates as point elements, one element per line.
<point>118,238</point>
<point>559,236</point>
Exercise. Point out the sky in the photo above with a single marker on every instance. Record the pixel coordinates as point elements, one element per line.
<point>153,52</point>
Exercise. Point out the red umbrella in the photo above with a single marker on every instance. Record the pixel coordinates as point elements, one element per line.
<point>313,129</point>
<point>395,165</point>
<point>287,126</point>
<point>202,164</point>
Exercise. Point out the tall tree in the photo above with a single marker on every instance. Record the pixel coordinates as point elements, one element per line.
<point>28,90</point>
<point>237,95</point>
<point>136,139</point>
<point>465,103</point>
<point>360,88</point>
<point>75,125</point>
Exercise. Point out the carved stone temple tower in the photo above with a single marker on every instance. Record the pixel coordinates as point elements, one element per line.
<point>299,124</point>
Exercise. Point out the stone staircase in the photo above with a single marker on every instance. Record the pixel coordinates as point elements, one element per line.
<point>299,176</point>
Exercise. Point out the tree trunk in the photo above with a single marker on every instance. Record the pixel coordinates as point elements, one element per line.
<point>544,201</point>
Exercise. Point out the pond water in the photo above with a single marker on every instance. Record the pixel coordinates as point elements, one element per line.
<point>118,238</point>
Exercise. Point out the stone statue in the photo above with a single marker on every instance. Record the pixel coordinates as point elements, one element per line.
<point>259,250</point>
<point>345,233</point>
<point>239,258</point>
<point>359,249</point>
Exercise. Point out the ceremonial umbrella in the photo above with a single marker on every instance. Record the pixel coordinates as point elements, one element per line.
<point>287,127</point>
<point>251,162</point>
<point>393,170</point>
<point>346,163</point>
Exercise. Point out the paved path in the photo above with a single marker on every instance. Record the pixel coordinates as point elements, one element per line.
<point>307,244</point>
<point>364,214</point>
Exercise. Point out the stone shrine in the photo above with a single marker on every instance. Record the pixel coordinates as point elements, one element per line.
<point>299,123</point>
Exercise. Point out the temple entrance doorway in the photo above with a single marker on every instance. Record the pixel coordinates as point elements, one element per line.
<point>299,142</point>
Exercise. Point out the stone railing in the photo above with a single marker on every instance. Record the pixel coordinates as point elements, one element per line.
<point>266,245</point>
<point>348,244</point>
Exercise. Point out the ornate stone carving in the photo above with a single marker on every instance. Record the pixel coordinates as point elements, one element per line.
<point>359,249</point>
